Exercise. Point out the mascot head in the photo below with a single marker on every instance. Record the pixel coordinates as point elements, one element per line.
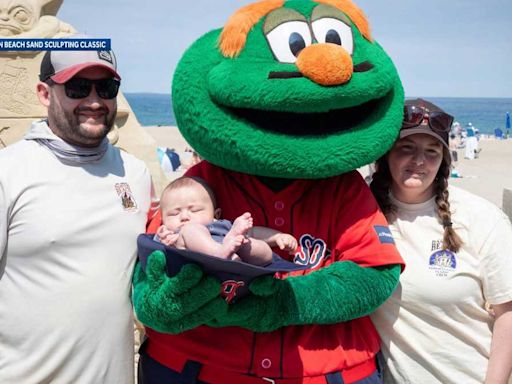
<point>289,89</point>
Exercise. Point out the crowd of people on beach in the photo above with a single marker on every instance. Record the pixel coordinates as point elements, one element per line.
<point>72,206</point>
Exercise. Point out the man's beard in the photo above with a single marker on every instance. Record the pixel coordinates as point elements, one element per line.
<point>70,129</point>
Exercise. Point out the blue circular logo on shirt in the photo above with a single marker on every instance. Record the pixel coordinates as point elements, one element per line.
<point>443,259</point>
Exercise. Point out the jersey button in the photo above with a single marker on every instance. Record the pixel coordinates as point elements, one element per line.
<point>279,205</point>
<point>266,363</point>
<point>279,221</point>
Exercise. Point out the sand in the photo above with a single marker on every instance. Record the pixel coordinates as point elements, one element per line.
<point>167,136</point>
<point>485,176</point>
<point>488,174</point>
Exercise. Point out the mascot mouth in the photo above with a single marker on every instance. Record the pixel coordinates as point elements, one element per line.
<point>310,124</point>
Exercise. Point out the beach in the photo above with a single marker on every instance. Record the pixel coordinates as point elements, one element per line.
<point>490,173</point>
<point>485,176</point>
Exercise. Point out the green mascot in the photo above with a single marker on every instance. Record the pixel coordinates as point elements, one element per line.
<point>284,104</point>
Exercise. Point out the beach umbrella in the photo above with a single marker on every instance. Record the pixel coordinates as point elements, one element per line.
<point>507,120</point>
<point>169,159</point>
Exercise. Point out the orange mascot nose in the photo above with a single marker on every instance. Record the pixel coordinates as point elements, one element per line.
<point>325,64</point>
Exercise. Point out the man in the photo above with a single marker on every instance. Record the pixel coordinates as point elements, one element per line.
<point>71,206</point>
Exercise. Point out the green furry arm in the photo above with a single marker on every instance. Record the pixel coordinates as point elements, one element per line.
<point>175,304</point>
<point>341,292</point>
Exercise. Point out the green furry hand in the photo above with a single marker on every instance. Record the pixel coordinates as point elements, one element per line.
<point>272,305</point>
<point>341,292</point>
<point>175,304</point>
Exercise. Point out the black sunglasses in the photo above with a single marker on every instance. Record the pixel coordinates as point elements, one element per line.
<point>79,88</point>
<point>439,122</point>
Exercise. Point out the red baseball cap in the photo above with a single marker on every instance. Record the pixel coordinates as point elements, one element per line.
<point>61,66</point>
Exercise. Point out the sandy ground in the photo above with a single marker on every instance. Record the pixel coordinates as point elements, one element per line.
<point>485,176</point>
<point>488,174</point>
<point>167,136</point>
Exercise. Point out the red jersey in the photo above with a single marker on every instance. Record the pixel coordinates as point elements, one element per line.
<point>333,219</point>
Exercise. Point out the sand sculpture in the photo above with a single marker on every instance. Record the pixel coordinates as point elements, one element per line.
<point>19,72</point>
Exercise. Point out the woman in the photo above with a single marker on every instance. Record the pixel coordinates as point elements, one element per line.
<point>458,252</point>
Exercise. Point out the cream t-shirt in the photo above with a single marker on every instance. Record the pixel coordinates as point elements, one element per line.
<point>435,328</point>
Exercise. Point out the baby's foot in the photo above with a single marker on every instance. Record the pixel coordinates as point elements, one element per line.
<point>235,238</point>
<point>230,245</point>
<point>241,225</point>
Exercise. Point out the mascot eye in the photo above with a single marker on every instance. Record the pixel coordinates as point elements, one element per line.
<point>334,31</point>
<point>288,39</point>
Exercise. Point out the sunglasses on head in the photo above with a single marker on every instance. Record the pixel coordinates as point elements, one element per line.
<point>79,88</point>
<point>439,122</point>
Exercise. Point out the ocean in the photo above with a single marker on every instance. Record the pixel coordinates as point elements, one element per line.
<point>486,114</point>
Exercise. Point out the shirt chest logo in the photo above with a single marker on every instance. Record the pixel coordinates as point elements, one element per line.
<point>442,261</point>
<point>311,251</point>
<point>126,196</point>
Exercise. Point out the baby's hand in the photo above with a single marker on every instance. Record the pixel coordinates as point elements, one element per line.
<point>286,242</point>
<point>166,236</point>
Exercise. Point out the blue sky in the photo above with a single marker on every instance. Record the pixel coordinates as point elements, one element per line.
<point>443,48</point>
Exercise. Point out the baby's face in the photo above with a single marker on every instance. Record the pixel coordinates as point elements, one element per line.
<point>186,204</point>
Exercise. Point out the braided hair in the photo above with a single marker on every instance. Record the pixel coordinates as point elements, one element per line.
<point>381,185</point>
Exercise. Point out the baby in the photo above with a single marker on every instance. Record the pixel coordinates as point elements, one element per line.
<point>191,221</point>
